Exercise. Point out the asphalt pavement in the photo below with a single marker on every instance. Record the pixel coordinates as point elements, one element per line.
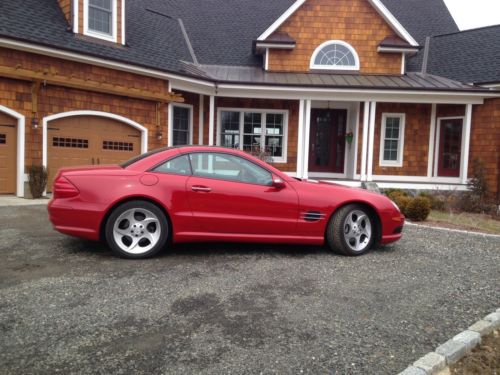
<point>69,306</point>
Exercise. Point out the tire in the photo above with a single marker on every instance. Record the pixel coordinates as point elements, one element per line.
<point>351,230</point>
<point>136,230</point>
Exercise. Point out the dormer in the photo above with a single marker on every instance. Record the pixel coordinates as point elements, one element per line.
<point>101,19</point>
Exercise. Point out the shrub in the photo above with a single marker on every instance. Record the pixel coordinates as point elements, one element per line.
<point>418,209</point>
<point>438,201</point>
<point>37,175</point>
<point>402,201</point>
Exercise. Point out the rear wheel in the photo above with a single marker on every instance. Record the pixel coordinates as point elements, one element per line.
<point>351,230</point>
<point>136,230</point>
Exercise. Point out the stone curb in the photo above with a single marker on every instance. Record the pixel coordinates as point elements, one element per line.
<point>455,349</point>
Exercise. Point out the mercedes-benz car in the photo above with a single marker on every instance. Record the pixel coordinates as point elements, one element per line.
<point>196,193</point>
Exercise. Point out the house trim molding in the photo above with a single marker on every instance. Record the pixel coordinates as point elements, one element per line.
<point>377,4</point>
<point>20,151</point>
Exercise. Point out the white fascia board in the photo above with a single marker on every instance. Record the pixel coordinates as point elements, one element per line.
<point>319,93</point>
<point>77,57</point>
<point>281,19</point>
<point>397,50</point>
<point>393,22</point>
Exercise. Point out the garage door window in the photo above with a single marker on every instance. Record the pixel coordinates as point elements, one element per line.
<point>70,142</point>
<point>3,139</point>
<point>117,146</point>
<point>181,126</point>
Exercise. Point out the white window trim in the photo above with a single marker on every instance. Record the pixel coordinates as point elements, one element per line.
<point>171,128</point>
<point>96,34</point>
<point>336,67</point>
<point>401,144</point>
<point>285,113</point>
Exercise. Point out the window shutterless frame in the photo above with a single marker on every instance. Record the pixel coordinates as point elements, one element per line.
<point>327,57</point>
<point>111,37</point>
<point>264,113</point>
<point>400,140</point>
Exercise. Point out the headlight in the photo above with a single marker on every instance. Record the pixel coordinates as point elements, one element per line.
<point>395,205</point>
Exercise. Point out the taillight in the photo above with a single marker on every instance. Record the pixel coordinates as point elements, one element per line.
<point>64,189</point>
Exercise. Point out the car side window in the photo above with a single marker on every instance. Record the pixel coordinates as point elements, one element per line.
<point>230,168</point>
<point>179,165</point>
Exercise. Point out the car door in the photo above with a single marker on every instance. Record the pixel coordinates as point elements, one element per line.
<point>231,194</point>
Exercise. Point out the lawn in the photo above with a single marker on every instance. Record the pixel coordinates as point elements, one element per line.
<point>465,221</point>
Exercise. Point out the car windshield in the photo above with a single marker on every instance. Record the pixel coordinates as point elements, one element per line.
<point>137,158</point>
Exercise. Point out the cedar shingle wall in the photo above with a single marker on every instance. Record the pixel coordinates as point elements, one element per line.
<point>353,21</point>
<point>66,8</point>
<point>16,95</point>
<point>416,142</point>
<point>485,142</point>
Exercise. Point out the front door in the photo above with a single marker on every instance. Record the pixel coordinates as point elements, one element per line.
<point>327,140</point>
<point>450,147</point>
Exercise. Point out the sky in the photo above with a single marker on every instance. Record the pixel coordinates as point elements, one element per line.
<point>470,14</point>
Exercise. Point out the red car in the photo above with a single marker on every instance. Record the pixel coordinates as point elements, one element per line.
<point>193,194</point>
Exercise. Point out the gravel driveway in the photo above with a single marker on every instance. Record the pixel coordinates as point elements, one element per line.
<point>69,306</point>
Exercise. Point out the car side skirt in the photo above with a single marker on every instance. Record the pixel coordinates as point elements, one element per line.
<point>249,238</point>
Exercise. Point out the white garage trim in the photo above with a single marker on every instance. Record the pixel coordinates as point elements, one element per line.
<point>46,120</point>
<point>20,148</point>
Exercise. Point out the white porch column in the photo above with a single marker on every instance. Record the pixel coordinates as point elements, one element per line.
<point>364,146</point>
<point>371,140</point>
<point>300,140</point>
<point>307,132</point>
<point>211,122</point>
<point>170,119</point>
<point>201,120</point>
<point>432,141</point>
<point>464,169</point>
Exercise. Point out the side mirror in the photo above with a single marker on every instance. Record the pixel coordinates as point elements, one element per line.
<point>278,183</point>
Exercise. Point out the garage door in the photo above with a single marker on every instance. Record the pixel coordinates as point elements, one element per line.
<point>8,151</point>
<point>89,140</point>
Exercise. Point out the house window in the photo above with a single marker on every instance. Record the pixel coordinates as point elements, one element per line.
<point>335,55</point>
<point>392,139</point>
<point>100,19</point>
<point>255,131</point>
<point>100,16</point>
<point>181,129</point>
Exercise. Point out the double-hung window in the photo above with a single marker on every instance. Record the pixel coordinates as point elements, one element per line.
<point>392,139</point>
<point>101,19</point>
<point>255,131</point>
<point>182,126</point>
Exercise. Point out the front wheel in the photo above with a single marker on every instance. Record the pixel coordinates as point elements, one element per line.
<point>136,230</point>
<point>351,230</point>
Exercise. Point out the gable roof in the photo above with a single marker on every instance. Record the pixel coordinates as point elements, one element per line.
<point>470,56</point>
<point>377,4</point>
<point>423,18</point>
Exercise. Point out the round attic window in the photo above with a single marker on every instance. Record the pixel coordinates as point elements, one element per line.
<point>335,55</point>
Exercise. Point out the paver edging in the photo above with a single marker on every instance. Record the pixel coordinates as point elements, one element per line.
<point>455,349</point>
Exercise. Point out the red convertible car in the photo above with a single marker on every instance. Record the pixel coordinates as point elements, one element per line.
<point>191,194</point>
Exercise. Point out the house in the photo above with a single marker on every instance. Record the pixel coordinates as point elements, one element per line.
<point>344,91</point>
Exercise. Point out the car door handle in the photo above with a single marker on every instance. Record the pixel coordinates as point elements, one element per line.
<point>201,189</point>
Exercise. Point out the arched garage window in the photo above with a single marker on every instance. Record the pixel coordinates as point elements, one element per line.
<point>335,55</point>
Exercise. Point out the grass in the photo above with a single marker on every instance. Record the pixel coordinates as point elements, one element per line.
<point>465,221</point>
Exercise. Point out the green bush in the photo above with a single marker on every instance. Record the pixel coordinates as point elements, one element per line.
<point>402,201</point>
<point>418,209</point>
<point>37,175</point>
<point>437,201</point>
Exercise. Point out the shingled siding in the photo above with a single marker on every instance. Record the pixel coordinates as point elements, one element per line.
<point>292,106</point>
<point>485,142</point>
<point>17,95</point>
<point>353,21</point>
<point>66,8</point>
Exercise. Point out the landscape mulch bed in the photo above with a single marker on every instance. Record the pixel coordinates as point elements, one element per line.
<point>483,360</point>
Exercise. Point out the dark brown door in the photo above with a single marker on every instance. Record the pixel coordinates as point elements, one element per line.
<point>327,140</point>
<point>8,152</point>
<point>450,147</point>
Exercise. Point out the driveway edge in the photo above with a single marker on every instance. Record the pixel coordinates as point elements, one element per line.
<point>455,349</point>
<point>409,223</point>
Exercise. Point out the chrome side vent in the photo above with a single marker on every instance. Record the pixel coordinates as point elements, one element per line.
<point>312,216</point>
